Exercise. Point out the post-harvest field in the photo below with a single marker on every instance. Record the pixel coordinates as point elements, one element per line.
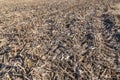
<point>59,39</point>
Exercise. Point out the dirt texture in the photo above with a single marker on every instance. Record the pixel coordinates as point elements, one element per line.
<point>59,39</point>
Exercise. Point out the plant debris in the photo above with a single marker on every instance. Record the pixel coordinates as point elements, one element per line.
<point>60,40</point>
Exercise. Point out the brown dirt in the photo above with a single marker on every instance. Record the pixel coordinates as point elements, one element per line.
<point>59,40</point>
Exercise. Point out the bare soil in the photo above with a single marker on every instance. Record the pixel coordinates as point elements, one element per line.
<point>59,40</point>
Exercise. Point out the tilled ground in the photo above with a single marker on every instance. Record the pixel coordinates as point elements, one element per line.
<point>60,40</point>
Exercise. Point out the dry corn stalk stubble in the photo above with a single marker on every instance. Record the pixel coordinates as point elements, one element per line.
<point>66,40</point>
